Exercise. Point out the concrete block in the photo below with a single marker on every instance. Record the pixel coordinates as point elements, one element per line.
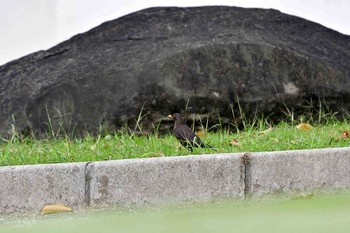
<point>295,171</point>
<point>30,188</point>
<point>165,180</point>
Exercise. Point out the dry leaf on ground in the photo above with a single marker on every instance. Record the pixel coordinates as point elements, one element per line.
<point>57,208</point>
<point>304,126</point>
<point>201,133</point>
<point>345,135</point>
<point>235,142</point>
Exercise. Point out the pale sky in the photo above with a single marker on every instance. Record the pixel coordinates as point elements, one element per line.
<point>27,26</point>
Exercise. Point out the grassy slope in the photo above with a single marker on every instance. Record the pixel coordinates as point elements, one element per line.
<point>256,137</point>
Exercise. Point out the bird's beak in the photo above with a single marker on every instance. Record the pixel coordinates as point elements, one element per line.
<point>171,117</point>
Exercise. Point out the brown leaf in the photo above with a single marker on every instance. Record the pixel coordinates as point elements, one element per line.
<point>57,208</point>
<point>235,142</point>
<point>345,135</point>
<point>304,126</point>
<point>201,133</point>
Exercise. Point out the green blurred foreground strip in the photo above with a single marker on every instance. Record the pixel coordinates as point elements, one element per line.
<point>303,214</point>
<point>259,137</point>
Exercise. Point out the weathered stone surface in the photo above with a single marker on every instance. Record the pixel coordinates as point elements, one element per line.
<point>165,180</point>
<point>30,188</point>
<point>160,58</point>
<point>299,171</point>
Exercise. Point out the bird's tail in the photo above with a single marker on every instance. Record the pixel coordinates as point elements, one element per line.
<point>208,146</point>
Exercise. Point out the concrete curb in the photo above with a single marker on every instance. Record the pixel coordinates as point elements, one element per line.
<point>30,188</point>
<point>172,179</point>
<point>299,171</point>
<point>166,180</point>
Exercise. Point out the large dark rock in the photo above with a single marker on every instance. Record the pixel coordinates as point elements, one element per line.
<point>161,60</point>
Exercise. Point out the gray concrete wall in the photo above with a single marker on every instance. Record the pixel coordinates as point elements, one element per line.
<point>172,179</point>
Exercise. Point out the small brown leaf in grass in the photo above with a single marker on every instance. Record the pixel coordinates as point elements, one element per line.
<point>304,126</point>
<point>201,133</point>
<point>235,142</point>
<point>344,136</point>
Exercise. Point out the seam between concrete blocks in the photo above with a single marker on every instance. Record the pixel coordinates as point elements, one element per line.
<point>87,194</point>
<point>246,174</point>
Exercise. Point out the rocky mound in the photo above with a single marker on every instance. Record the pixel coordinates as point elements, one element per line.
<point>162,60</point>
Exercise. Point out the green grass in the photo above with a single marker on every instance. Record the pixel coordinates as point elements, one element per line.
<point>255,137</point>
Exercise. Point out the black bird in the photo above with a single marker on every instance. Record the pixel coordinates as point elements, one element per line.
<point>184,134</point>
